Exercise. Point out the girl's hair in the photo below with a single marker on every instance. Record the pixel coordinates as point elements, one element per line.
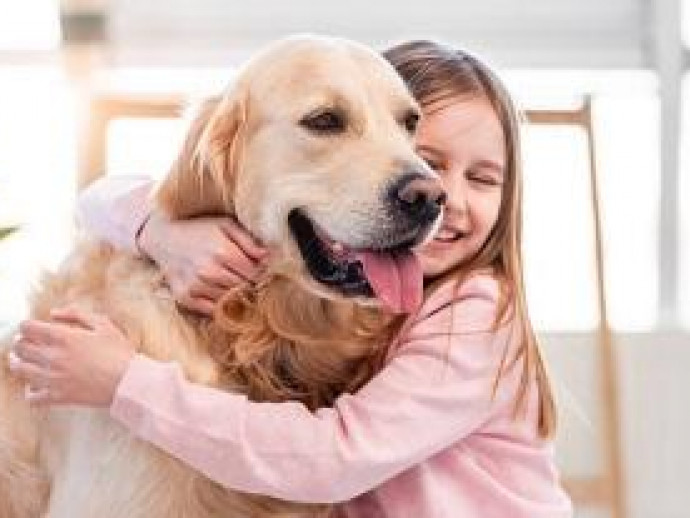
<point>434,73</point>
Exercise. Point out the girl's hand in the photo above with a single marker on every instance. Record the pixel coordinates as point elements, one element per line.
<point>78,358</point>
<point>201,258</point>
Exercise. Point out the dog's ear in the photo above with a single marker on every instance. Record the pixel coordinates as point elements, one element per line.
<point>202,178</point>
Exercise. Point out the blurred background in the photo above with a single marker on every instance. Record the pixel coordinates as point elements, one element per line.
<point>90,87</point>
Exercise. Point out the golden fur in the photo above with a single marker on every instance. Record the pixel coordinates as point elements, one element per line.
<point>288,337</point>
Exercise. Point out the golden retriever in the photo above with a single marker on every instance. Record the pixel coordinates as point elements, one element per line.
<point>311,149</point>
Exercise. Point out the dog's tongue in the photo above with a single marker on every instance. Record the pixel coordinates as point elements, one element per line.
<point>395,278</point>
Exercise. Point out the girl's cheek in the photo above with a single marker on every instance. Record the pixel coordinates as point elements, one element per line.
<point>492,206</point>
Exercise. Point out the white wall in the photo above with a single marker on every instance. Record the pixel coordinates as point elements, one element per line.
<point>655,416</point>
<point>552,33</point>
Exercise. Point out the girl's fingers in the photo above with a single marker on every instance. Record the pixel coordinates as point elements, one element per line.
<point>35,395</point>
<point>198,305</point>
<point>222,278</point>
<point>41,396</point>
<point>29,352</point>
<point>207,291</point>
<point>243,239</point>
<point>48,333</point>
<point>230,280</point>
<point>239,266</point>
<point>13,360</point>
<point>31,373</point>
<point>76,316</point>
<point>38,381</point>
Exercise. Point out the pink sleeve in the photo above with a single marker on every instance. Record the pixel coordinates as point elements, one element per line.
<point>114,208</point>
<point>433,392</point>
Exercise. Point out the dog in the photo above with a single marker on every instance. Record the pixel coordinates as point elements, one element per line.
<point>311,149</point>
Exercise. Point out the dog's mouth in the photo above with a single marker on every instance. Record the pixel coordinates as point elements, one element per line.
<point>392,274</point>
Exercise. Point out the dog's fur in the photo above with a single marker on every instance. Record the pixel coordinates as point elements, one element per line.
<point>288,337</point>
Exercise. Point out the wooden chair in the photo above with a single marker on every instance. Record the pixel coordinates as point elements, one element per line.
<point>605,489</point>
<point>103,110</point>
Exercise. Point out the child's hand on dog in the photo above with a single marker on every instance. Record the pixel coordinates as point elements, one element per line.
<point>77,358</point>
<point>223,255</point>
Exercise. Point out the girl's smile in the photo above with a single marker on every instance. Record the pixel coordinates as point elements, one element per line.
<point>462,139</point>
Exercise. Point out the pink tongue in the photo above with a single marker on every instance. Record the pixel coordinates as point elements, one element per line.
<point>396,280</point>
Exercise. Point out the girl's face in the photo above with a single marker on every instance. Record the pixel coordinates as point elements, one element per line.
<point>462,140</point>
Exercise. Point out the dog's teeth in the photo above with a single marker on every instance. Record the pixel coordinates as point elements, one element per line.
<point>338,247</point>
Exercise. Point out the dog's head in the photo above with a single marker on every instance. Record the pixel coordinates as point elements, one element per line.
<point>311,148</point>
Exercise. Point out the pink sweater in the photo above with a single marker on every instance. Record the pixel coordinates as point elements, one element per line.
<point>423,439</point>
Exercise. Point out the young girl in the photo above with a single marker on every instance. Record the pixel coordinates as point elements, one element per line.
<point>457,423</point>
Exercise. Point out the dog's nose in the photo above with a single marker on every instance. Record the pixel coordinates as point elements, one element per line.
<point>419,197</point>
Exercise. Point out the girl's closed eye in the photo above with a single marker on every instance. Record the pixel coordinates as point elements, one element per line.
<point>485,176</point>
<point>482,179</point>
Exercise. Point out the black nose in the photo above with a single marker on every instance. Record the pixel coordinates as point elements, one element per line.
<point>420,198</point>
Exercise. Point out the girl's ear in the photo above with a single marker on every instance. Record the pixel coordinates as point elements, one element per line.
<point>202,178</point>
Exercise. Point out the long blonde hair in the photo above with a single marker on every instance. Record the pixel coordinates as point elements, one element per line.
<point>434,72</point>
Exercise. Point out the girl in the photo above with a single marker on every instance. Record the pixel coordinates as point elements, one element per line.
<point>455,424</point>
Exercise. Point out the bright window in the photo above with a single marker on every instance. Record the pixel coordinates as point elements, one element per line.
<point>559,251</point>
<point>558,230</point>
<point>29,25</point>
<point>143,146</point>
<point>37,177</point>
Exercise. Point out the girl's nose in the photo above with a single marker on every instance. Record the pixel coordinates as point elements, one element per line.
<point>457,195</point>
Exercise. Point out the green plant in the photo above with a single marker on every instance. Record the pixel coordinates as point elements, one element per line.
<point>6,231</point>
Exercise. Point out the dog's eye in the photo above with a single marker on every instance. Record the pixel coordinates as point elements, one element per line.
<point>329,121</point>
<point>411,121</point>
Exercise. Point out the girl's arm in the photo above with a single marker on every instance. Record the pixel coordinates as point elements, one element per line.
<point>119,209</point>
<point>114,208</point>
<point>433,392</point>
